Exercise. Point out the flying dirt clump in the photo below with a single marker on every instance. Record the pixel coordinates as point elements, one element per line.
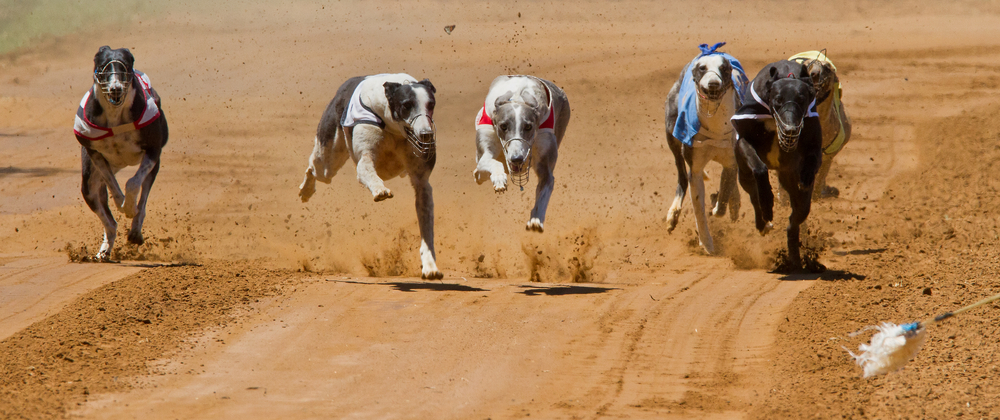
<point>391,260</point>
<point>549,261</point>
<point>488,268</point>
<point>163,249</point>
<point>813,244</point>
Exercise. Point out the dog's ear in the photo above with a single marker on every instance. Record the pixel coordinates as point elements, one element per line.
<point>428,85</point>
<point>503,99</point>
<point>807,79</point>
<point>99,57</point>
<point>727,70</point>
<point>390,88</point>
<point>769,82</point>
<point>129,58</point>
<point>390,98</point>
<point>529,100</point>
<point>804,73</point>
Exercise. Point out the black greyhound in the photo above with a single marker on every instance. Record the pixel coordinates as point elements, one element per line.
<point>778,129</point>
<point>119,123</point>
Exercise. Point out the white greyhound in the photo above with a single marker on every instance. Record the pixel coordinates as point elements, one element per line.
<point>385,123</point>
<point>524,117</point>
<point>698,111</point>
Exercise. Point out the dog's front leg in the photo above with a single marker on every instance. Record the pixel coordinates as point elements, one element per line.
<point>95,193</point>
<point>425,218</point>
<point>366,138</point>
<point>696,179</point>
<point>132,188</point>
<point>546,181</point>
<point>487,166</point>
<point>752,174</point>
<point>101,166</point>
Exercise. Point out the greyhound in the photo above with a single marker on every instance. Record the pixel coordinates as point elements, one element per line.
<point>385,123</point>
<point>119,123</point>
<point>833,117</point>
<point>698,111</point>
<point>778,129</point>
<point>523,117</point>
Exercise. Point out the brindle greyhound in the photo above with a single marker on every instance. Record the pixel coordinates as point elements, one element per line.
<point>119,123</point>
<point>832,115</point>
<point>779,129</point>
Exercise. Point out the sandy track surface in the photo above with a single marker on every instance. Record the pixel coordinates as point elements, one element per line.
<point>403,349</point>
<point>659,330</point>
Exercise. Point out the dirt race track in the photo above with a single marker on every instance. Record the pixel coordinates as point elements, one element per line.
<point>246,303</point>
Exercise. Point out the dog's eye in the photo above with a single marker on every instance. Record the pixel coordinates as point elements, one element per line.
<point>702,67</point>
<point>527,128</point>
<point>503,127</point>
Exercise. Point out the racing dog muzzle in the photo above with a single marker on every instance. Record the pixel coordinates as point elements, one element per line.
<point>518,166</point>
<point>114,80</point>
<point>788,133</point>
<point>716,90</point>
<point>424,144</point>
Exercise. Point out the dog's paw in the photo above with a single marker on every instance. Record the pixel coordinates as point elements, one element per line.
<point>305,194</point>
<point>767,229</point>
<point>534,225</point>
<point>135,237</point>
<point>431,274</point>
<point>673,215</point>
<point>480,176</point>
<point>382,194</point>
<point>308,186</point>
<point>104,255</point>
<point>826,192</point>
<point>499,183</point>
<point>306,191</point>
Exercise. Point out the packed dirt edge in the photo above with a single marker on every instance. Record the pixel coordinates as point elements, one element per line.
<point>109,336</point>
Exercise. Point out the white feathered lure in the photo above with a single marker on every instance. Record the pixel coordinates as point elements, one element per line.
<point>895,345</point>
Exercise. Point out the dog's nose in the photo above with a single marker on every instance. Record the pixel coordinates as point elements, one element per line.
<point>714,84</point>
<point>517,160</point>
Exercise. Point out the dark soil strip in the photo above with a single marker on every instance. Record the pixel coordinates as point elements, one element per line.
<point>108,336</point>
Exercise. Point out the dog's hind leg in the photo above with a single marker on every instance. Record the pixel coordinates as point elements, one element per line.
<point>752,173</point>
<point>546,182</point>
<point>697,184</point>
<point>135,232</point>
<point>95,193</point>
<point>674,213</point>
<point>316,162</point>
<point>102,168</point>
<point>327,157</point>
<point>425,218</point>
<point>729,191</point>
<point>132,188</point>
<point>728,194</point>
<point>820,189</point>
